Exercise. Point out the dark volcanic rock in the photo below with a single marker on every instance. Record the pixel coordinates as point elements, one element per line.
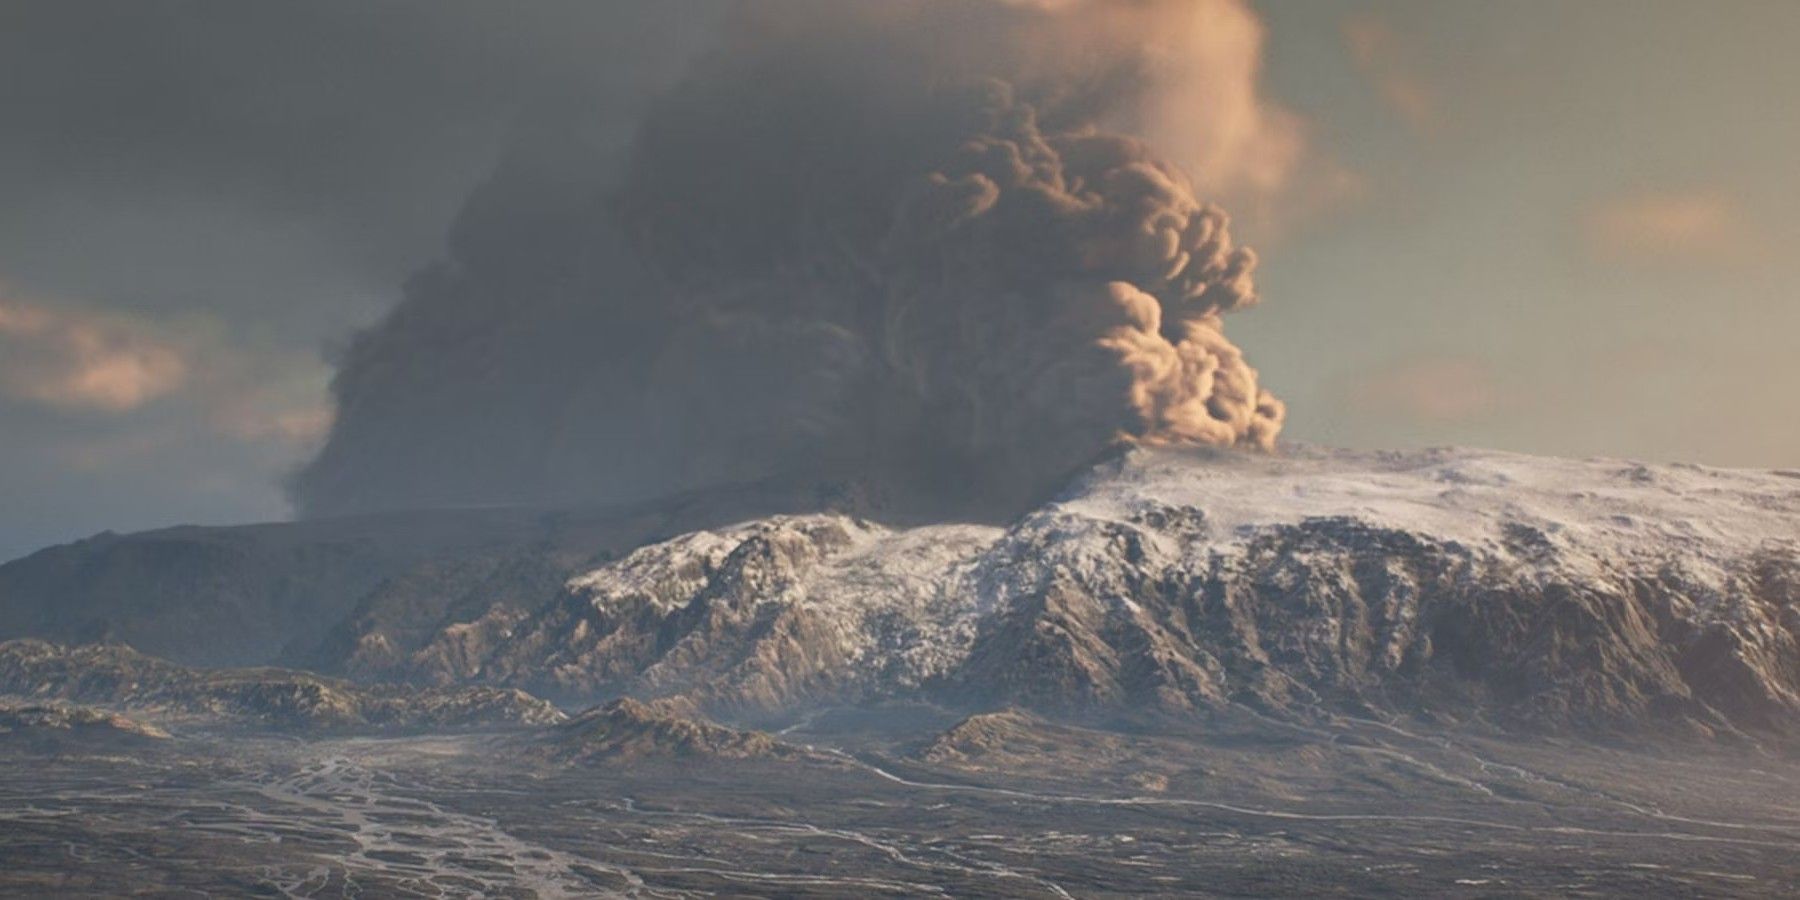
<point>626,729</point>
<point>116,676</point>
<point>62,728</point>
<point>411,609</point>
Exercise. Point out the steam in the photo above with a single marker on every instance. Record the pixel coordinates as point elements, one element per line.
<point>898,242</point>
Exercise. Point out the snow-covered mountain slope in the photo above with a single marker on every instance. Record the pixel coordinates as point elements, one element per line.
<point>1478,497</point>
<point>779,612</point>
<point>305,593</point>
<point>1451,583</point>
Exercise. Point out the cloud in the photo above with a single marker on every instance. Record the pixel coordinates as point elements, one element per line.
<point>84,360</point>
<point>245,183</point>
<point>959,245</point>
<point>1435,390</point>
<point>1380,52</point>
<point>1186,76</point>
<point>1207,109</point>
<point>77,359</point>
<point>228,102</point>
<point>1670,227</point>
<point>304,426</point>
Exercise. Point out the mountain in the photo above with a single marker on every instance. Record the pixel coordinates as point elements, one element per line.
<point>236,595</point>
<point>1455,585</point>
<point>339,593</point>
<point>119,677</point>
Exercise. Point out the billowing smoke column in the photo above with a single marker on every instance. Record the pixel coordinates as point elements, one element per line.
<point>887,241</point>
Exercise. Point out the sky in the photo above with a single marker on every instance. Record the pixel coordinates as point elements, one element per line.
<point>1540,226</point>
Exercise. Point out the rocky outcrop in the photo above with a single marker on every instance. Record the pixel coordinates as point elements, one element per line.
<point>61,727</point>
<point>626,730</point>
<point>1006,734</point>
<point>120,678</point>
<point>424,604</point>
<point>785,611</point>
<point>1455,584</point>
<point>1337,613</point>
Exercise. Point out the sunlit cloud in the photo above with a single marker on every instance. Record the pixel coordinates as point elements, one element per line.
<point>1669,227</point>
<point>134,389</point>
<point>1380,53</point>
<point>1247,150</point>
<point>83,360</point>
<point>1205,104</point>
<point>1212,110</point>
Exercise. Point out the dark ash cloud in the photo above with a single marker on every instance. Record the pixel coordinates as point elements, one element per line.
<point>887,242</point>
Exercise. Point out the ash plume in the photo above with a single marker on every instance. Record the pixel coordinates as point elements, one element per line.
<point>904,243</point>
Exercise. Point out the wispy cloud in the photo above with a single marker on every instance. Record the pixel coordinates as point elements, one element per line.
<point>1705,225</point>
<point>84,360</point>
<point>1205,102</point>
<point>1381,53</point>
<point>143,387</point>
<point>1438,390</point>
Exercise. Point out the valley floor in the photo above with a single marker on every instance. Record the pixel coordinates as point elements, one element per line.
<point>1343,807</point>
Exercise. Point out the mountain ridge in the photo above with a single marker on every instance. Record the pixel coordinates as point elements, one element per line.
<point>1539,592</point>
<point>1450,583</point>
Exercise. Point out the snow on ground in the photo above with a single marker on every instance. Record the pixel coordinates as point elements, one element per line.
<point>1454,494</point>
<point>935,582</point>
<point>895,608</point>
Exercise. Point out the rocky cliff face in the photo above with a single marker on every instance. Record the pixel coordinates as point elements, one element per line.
<point>1456,584</point>
<point>779,613</point>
